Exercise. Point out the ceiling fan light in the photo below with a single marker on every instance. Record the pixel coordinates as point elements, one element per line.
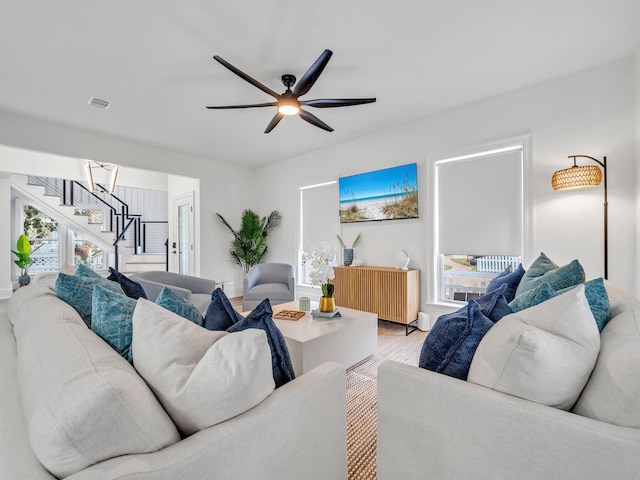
<point>289,109</point>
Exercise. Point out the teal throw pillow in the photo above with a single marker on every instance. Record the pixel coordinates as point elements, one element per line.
<point>598,300</point>
<point>84,271</point>
<point>539,294</point>
<point>179,305</point>
<point>453,340</point>
<point>77,291</point>
<point>544,270</point>
<point>111,319</point>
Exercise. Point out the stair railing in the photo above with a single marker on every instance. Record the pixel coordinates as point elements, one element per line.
<point>120,220</point>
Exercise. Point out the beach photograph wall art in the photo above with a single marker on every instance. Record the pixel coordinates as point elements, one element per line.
<point>388,194</point>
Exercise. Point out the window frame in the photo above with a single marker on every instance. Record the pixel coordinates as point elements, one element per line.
<point>435,280</point>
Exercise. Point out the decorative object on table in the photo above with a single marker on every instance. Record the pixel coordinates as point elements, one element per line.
<point>321,314</point>
<point>357,262</point>
<point>320,259</point>
<point>23,254</point>
<point>249,244</point>
<point>304,303</point>
<point>288,315</point>
<point>588,176</point>
<point>288,103</point>
<point>347,253</point>
<point>402,259</point>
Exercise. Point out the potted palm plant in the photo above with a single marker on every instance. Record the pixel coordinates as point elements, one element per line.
<point>23,260</point>
<point>249,244</point>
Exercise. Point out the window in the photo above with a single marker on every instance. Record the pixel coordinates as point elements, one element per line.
<point>318,221</point>
<point>87,254</point>
<point>42,232</point>
<point>480,220</point>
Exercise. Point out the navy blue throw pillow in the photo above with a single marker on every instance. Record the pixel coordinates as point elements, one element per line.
<point>130,288</point>
<point>511,279</point>
<point>220,315</point>
<point>494,304</point>
<point>453,340</point>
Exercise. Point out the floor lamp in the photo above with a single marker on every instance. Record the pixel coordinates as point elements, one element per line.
<point>588,176</point>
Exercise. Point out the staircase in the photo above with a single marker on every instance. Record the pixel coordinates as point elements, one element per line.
<point>103,219</point>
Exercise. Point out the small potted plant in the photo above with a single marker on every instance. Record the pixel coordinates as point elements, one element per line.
<point>23,254</point>
<point>347,253</point>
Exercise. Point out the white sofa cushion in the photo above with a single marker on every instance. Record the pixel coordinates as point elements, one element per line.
<point>201,377</point>
<point>544,353</point>
<point>612,393</point>
<point>82,401</point>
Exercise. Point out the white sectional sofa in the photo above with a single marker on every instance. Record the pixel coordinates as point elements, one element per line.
<point>298,431</point>
<point>434,426</point>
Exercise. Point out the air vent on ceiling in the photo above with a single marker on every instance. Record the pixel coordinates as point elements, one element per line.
<point>98,102</point>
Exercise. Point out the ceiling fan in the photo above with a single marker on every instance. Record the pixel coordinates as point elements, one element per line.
<point>288,103</point>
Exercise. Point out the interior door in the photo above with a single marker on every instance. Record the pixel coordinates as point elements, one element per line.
<point>183,245</point>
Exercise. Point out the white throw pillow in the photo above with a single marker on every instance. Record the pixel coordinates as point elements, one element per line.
<point>201,377</point>
<point>612,393</point>
<point>544,353</point>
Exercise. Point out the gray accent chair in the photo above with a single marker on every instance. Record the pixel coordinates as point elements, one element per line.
<point>195,289</point>
<point>275,281</point>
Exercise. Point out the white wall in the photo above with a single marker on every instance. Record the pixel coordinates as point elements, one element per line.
<point>637,153</point>
<point>590,113</point>
<point>220,182</point>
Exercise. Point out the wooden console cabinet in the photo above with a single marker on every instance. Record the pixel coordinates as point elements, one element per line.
<point>391,293</point>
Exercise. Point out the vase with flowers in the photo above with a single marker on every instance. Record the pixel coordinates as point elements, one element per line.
<point>320,259</point>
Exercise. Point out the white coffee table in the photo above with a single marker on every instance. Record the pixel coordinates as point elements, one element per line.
<point>349,339</point>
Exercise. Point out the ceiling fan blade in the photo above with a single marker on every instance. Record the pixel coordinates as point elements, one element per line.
<point>224,107</point>
<point>246,77</point>
<point>274,121</point>
<point>311,75</point>
<point>313,120</point>
<point>336,102</point>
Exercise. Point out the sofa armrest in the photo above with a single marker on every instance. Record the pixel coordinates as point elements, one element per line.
<point>299,431</point>
<point>434,426</point>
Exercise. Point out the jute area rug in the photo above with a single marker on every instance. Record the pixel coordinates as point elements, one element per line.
<point>362,400</point>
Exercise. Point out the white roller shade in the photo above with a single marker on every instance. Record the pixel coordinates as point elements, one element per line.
<point>480,204</point>
<point>320,217</point>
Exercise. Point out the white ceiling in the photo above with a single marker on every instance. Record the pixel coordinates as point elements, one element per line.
<point>153,60</point>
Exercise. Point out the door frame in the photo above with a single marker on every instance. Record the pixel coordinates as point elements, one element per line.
<point>178,201</point>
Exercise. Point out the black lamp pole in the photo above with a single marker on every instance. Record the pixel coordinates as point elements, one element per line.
<point>603,164</point>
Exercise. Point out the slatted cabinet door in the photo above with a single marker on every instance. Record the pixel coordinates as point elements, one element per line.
<point>392,294</point>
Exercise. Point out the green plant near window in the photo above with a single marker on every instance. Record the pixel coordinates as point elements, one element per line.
<point>23,254</point>
<point>249,244</point>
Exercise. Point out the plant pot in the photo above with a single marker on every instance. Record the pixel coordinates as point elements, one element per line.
<point>24,280</point>
<point>327,304</point>
<point>347,256</point>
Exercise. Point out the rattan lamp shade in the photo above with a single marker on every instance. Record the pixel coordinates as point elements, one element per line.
<point>576,177</point>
